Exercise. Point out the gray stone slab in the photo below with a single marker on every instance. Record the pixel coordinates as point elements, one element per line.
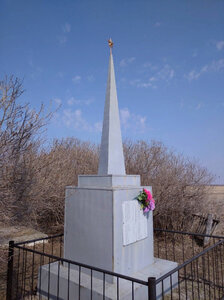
<point>18,234</point>
<point>55,282</point>
<point>109,181</point>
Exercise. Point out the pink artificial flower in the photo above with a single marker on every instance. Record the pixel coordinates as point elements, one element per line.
<point>152,205</point>
<point>152,200</point>
<point>149,195</point>
<point>146,209</point>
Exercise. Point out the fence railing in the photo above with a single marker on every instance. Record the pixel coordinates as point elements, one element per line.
<point>199,274</point>
<point>180,246</point>
<point>200,277</point>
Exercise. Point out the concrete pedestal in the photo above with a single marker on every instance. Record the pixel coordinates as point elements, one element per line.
<point>94,235</point>
<point>65,288</point>
<point>94,224</point>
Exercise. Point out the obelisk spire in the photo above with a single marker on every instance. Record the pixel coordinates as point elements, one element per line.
<point>111,151</point>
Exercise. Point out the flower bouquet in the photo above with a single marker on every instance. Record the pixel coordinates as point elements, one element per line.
<point>146,200</point>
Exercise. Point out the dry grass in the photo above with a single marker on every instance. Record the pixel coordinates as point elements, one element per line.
<point>3,271</point>
<point>28,264</point>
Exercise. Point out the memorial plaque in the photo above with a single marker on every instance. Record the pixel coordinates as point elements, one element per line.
<point>134,222</point>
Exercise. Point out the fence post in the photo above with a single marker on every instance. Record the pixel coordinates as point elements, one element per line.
<point>151,288</point>
<point>208,229</point>
<point>10,270</point>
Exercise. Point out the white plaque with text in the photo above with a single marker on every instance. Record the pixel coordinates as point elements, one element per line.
<point>134,222</point>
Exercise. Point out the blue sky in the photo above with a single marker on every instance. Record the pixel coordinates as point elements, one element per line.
<point>169,65</point>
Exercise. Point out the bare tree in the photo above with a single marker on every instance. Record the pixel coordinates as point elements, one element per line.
<point>19,129</point>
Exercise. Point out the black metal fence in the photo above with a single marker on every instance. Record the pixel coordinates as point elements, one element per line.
<point>200,274</point>
<point>36,270</point>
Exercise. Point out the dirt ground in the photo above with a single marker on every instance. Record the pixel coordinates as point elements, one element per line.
<point>18,234</point>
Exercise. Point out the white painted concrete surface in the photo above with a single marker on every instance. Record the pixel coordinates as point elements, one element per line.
<point>111,152</point>
<point>65,287</point>
<point>94,230</point>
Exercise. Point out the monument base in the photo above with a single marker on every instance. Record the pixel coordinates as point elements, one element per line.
<point>105,226</point>
<point>53,283</point>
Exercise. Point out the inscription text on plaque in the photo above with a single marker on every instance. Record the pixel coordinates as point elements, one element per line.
<point>134,222</point>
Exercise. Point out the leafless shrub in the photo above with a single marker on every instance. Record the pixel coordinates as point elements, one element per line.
<point>59,167</point>
<point>178,183</point>
<point>32,181</point>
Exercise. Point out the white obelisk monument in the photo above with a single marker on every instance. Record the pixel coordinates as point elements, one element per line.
<point>104,224</point>
<point>111,153</point>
